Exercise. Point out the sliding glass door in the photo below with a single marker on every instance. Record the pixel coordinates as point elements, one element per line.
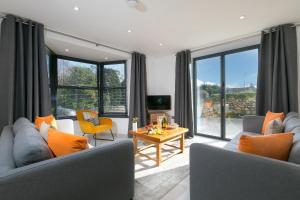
<point>240,88</point>
<point>208,96</point>
<point>224,91</point>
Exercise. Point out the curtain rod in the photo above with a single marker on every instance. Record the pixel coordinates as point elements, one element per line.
<point>236,39</point>
<point>24,21</point>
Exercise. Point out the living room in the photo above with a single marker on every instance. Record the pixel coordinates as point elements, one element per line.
<point>139,99</point>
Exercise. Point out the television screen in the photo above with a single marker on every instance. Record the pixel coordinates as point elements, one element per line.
<point>159,102</point>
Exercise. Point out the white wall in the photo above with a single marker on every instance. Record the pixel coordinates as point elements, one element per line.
<point>161,77</point>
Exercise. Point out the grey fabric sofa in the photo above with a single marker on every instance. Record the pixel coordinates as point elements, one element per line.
<point>226,174</point>
<point>104,172</point>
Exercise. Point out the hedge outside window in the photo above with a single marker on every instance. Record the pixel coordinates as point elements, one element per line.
<point>90,85</point>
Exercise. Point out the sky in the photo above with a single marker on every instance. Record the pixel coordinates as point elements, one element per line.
<point>240,69</point>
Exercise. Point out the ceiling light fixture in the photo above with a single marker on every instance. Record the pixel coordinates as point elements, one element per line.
<point>106,58</point>
<point>160,44</point>
<point>67,50</point>
<point>76,8</point>
<point>129,31</point>
<point>242,17</point>
<point>132,3</point>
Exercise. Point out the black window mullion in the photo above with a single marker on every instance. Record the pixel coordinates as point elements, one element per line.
<point>101,90</point>
<point>223,128</point>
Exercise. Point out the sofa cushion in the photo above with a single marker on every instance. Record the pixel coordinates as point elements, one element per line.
<point>6,150</point>
<point>50,119</point>
<point>29,147</point>
<point>275,126</point>
<point>292,124</point>
<point>233,144</point>
<point>20,123</point>
<point>63,143</point>
<point>269,117</point>
<point>295,153</point>
<point>289,116</point>
<point>275,146</point>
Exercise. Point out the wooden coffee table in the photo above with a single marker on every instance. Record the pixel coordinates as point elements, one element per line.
<point>158,141</point>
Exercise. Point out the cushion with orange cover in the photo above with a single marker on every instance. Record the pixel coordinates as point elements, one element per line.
<point>50,119</point>
<point>63,143</point>
<point>269,117</point>
<point>275,146</point>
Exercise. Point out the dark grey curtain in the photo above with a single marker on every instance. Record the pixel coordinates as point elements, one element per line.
<point>24,86</point>
<point>138,90</point>
<point>183,95</point>
<point>277,81</point>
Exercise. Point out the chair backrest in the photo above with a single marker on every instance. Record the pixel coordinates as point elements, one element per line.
<point>80,114</point>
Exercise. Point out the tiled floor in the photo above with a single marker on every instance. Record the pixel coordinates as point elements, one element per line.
<point>145,167</point>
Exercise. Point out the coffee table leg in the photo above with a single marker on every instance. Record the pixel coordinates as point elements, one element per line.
<point>158,154</point>
<point>135,143</point>
<point>182,143</point>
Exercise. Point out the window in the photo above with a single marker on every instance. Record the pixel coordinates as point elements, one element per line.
<point>114,88</point>
<point>90,85</point>
<point>225,91</point>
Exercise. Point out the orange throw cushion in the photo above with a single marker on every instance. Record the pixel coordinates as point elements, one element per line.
<point>269,117</point>
<point>63,143</point>
<point>275,146</point>
<point>50,119</point>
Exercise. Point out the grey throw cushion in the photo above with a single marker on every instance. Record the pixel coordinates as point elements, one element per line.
<point>6,150</point>
<point>95,121</point>
<point>295,153</point>
<point>290,115</point>
<point>29,147</point>
<point>275,126</point>
<point>291,124</point>
<point>20,123</point>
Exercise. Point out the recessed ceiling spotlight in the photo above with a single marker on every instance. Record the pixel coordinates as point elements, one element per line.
<point>67,50</point>
<point>242,17</point>
<point>106,58</point>
<point>76,8</point>
<point>160,44</point>
<point>129,31</point>
<point>132,3</point>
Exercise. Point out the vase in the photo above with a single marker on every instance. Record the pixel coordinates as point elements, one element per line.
<point>134,126</point>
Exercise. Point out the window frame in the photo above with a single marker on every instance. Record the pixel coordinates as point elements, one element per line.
<point>222,56</point>
<point>100,65</point>
<point>102,88</point>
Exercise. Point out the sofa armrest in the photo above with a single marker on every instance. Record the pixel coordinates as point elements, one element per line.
<point>104,172</point>
<point>253,123</point>
<point>217,173</point>
<point>65,125</point>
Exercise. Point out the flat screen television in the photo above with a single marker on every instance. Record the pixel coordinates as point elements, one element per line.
<point>159,102</point>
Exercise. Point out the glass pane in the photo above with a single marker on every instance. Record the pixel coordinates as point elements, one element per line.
<point>114,75</point>
<point>72,73</point>
<point>71,100</point>
<point>114,100</point>
<point>208,107</point>
<point>48,66</point>
<point>240,92</point>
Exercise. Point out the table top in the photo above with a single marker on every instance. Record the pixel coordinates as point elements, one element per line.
<point>165,136</point>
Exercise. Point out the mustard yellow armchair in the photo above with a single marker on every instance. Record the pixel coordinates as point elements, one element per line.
<point>89,128</point>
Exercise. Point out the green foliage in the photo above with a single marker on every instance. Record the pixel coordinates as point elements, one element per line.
<point>77,99</point>
<point>211,89</point>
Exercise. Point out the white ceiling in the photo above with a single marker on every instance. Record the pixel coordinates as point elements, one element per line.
<point>178,24</point>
